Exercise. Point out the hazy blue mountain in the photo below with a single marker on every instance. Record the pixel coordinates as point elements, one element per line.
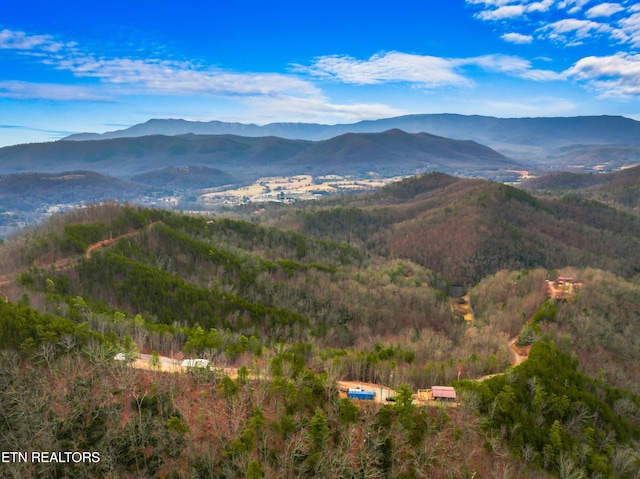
<point>389,153</point>
<point>515,137</point>
<point>185,178</point>
<point>597,157</point>
<point>31,191</point>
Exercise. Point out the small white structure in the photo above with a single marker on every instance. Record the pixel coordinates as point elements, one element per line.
<point>195,363</point>
<point>120,357</point>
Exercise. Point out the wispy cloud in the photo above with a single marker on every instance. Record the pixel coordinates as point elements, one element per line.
<point>134,76</point>
<point>631,28</point>
<point>573,6</point>
<point>604,10</point>
<point>270,109</point>
<point>541,7</point>
<point>517,38</point>
<point>53,133</point>
<point>502,12</point>
<point>423,71</point>
<point>269,96</point>
<point>183,78</point>
<point>573,31</point>
<point>565,22</point>
<point>569,23</point>
<point>20,90</point>
<point>508,9</point>
<point>612,76</point>
<point>15,40</point>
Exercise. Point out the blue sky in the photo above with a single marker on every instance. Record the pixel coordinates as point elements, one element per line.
<point>70,66</point>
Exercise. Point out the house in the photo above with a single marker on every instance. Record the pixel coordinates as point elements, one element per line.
<point>358,393</point>
<point>195,363</point>
<point>444,393</point>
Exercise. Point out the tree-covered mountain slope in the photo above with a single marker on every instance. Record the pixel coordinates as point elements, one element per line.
<point>282,316</point>
<point>28,192</point>
<point>620,189</point>
<point>467,229</point>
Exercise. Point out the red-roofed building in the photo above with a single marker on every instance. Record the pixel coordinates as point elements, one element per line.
<point>444,393</point>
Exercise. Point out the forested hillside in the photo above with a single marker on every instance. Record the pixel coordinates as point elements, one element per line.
<point>468,229</point>
<point>283,315</point>
<point>620,189</point>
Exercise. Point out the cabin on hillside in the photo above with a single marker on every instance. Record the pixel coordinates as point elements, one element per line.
<point>361,394</point>
<point>443,393</point>
<point>195,363</point>
<point>562,288</point>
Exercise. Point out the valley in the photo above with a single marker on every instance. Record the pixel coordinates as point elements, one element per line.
<point>316,240</point>
<point>354,267</point>
<point>311,298</point>
<point>189,166</point>
<point>292,189</point>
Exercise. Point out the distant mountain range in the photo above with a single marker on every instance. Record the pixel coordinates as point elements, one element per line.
<point>520,138</point>
<point>179,158</point>
<point>389,153</point>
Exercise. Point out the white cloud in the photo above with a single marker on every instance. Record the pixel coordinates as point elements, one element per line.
<point>426,71</point>
<point>604,10</point>
<point>423,71</point>
<point>573,6</point>
<point>615,75</point>
<point>498,63</point>
<point>518,38</point>
<point>505,9</point>
<point>495,3</point>
<point>20,90</point>
<point>541,7</point>
<point>317,109</point>
<point>14,40</point>
<point>573,30</point>
<point>501,13</point>
<point>133,75</point>
<point>510,65</point>
<point>183,78</point>
<point>572,25</point>
<point>630,26</point>
<point>529,5</point>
